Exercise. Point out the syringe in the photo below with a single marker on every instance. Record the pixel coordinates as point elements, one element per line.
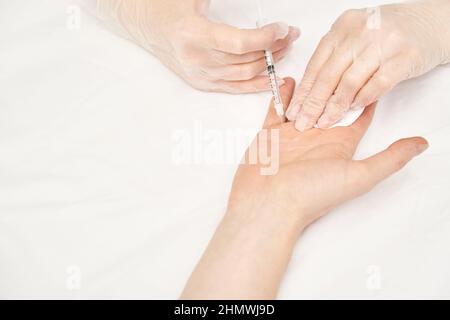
<point>278,102</point>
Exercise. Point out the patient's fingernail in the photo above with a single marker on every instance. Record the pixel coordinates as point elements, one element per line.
<point>422,147</point>
<point>292,111</point>
<point>302,123</point>
<point>281,31</point>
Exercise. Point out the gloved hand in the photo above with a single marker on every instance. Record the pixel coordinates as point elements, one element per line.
<point>210,56</point>
<point>367,53</point>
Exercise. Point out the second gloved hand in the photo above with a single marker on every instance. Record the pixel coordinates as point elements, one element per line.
<point>209,56</point>
<point>368,52</point>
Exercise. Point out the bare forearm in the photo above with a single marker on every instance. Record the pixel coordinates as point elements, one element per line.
<point>246,259</point>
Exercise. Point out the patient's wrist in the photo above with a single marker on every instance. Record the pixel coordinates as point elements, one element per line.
<point>246,258</point>
<point>269,221</point>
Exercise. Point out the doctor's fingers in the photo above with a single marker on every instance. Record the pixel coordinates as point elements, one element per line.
<point>224,58</point>
<point>321,55</point>
<point>257,84</point>
<point>353,79</point>
<point>245,71</point>
<point>390,74</point>
<point>323,87</point>
<point>229,39</point>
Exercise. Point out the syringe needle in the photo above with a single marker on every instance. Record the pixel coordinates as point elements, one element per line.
<point>278,102</point>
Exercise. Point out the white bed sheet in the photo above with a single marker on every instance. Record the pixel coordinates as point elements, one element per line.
<point>92,205</point>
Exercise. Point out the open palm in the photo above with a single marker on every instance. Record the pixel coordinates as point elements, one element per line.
<point>316,171</point>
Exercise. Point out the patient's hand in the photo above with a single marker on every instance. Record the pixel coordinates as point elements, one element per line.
<point>251,248</point>
<point>316,170</point>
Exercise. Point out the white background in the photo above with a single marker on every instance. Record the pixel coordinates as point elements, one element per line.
<point>92,205</point>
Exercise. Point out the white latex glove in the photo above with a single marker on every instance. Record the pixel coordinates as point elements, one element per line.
<point>210,56</point>
<point>367,53</point>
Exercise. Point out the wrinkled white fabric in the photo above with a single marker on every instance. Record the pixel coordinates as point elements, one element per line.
<point>92,206</point>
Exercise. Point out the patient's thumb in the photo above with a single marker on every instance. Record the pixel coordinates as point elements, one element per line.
<point>386,163</point>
